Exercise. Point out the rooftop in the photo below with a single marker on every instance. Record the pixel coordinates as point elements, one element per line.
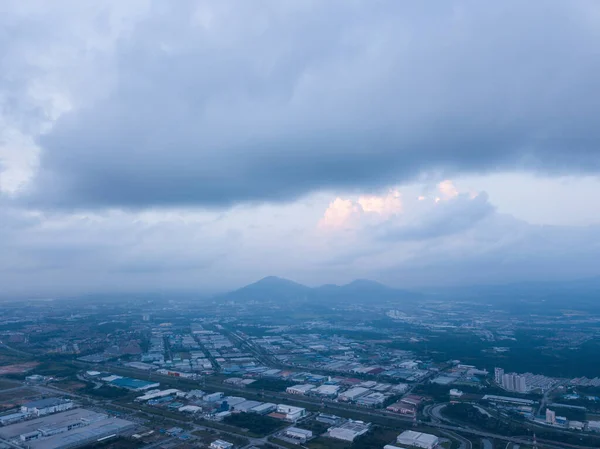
<point>55,420</point>
<point>92,432</point>
<point>48,402</point>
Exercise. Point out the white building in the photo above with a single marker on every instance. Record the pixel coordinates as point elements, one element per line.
<point>298,434</point>
<point>353,394</point>
<point>372,400</point>
<point>263,409</point>
<point>418,439</point>
<point>350,430</point>
<point>220,444</point>
<point>576,425</point>
<point>498,374</point>
<point>550,416</point>
<point>190,409</point>
<point>327,390</point>
<point>45,406</point>
<point>291,413</point>
<point>300,389</point>
<point>155,394</point>
<point>593,426</point>
<point>454,393</point>
<point>213,397</point>
<point>514,382</point>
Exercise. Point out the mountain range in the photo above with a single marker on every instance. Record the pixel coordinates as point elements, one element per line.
<point>273,288</point>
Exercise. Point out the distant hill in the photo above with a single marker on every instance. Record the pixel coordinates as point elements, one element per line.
<point>581,293</point>
<point>270,288</point>
<point>273,288</point>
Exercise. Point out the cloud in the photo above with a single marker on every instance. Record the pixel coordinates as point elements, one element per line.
<point>447,189</point>
<point>199,103</point>
<point>244,125</point>
<point>452,216</point>
<point>386,206</point>
<point>339,213</point>
<point>346,213</point>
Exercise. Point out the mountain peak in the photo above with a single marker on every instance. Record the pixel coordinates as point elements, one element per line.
<point>276,288</point>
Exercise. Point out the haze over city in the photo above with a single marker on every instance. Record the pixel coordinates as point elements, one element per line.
<point>204,145</point>
<point>299,224</point>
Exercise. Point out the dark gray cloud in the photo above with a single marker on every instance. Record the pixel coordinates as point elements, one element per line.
<point>219,103</point>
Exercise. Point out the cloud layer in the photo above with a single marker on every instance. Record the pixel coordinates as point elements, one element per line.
<point>201,144</point>
<point>216,104</point>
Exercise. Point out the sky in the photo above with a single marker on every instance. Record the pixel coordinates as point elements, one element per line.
<point>202,145</point>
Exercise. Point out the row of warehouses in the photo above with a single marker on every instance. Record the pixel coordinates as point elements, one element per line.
<point>367,394</point>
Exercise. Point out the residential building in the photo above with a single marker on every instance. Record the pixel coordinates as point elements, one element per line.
<point>550,416</point>
<point>514,382</point>
<point>498,374</point>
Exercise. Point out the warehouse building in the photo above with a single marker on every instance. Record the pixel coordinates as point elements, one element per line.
<point>221,444</point>
<point>12,418</point>
<point>327,390</point>
<point>291,413</point>
<point>372,400</point>
<point>353,394</point>
<point>298,434</point>
<point>349,431</point>
<point>213,397</point>
<point>65,430</point>
<point>264,409</point>
<point>245,406</point>
<point>132,384</point>
<point>328,419</point>
<point>155,394</point>
<point>300,389</point>
<point>418,439</point>
<point>46,406</point>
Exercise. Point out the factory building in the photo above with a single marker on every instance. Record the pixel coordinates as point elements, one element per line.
<point>349,431</point>
<point>221,444</point>
<point>264,409</point>
<point>245,406</point>
<point>353,394</point>
<point>328,419</point>
<point>327,390</point>
<point>372,400</point>
<point>291,413</point>
<point>131,384</point>
<point>46,406</point>
<point>298,434</point>
<point>300,389</point>
<point>418,439</point>
<point>65,430</point>
<point>155,394</point>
